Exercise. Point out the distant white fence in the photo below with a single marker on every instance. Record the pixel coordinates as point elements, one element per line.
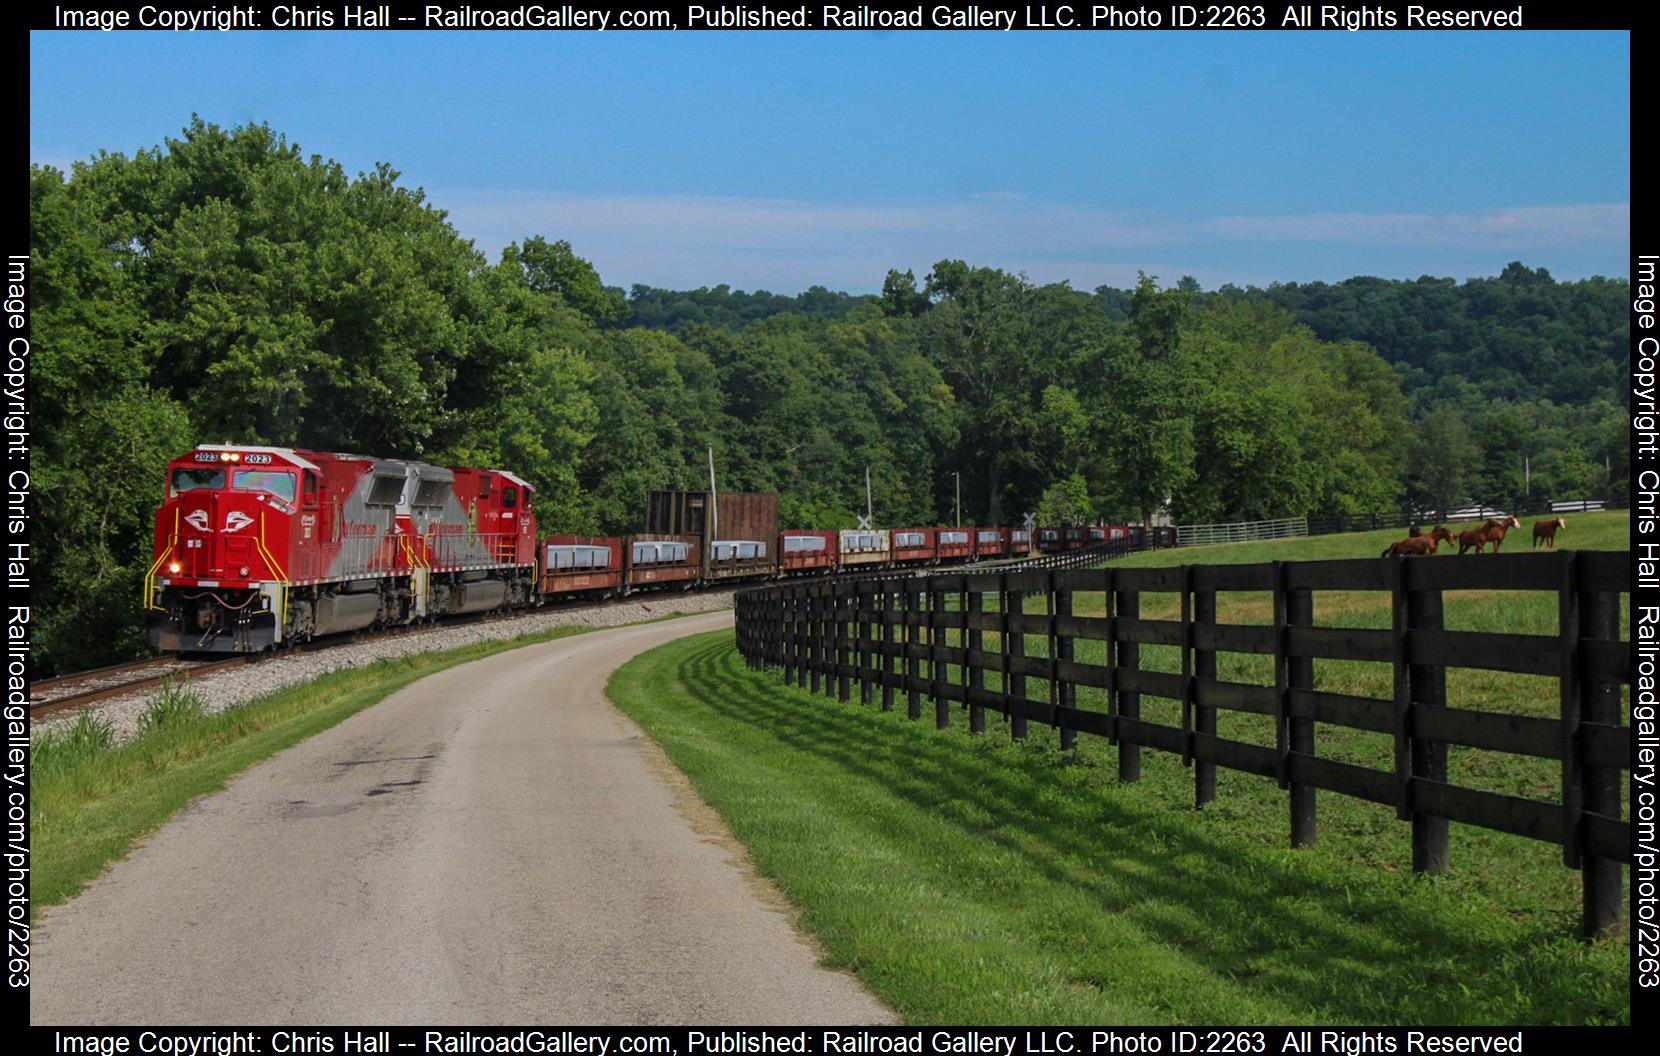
<point>1241,532</point>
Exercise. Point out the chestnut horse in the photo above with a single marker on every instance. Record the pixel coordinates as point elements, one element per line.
<point>1546,530</point>
<point>1418,545</point>
<point>1492,531</point>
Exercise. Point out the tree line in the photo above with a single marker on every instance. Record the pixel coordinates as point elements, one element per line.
<point>223,286</point>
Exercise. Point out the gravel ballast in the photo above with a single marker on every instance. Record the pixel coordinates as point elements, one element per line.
<point>228,689</point>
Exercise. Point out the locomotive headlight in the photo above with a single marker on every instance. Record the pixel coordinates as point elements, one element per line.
<point>244,571</point>
<point>174,567</point>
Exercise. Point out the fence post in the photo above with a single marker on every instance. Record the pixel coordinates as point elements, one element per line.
<point>1299,611</point>
<point>864,605</point>
<point>1127,605</point>
<point>1204,719</point>
<point>842,628</point>
<point>975,676</point>
<point>937,643</point>
<point>1426,688</point>
<point>1065,692</point>
<point>1187,665</point>
<point>1282,679</point>
<point>1015,643</point>
<point>826,637</point>
<point>889,589</point>
<point>815,636</point>
<point>915,601</point>
<point>1599,618</point>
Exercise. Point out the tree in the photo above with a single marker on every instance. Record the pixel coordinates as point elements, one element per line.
<point>1142,405</point>
<point>1065,502</point>
<point>552,267</point>
<point>1442,462</point>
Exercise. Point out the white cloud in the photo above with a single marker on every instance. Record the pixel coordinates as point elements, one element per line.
<point>1499,228</point>
<point>785,244</point>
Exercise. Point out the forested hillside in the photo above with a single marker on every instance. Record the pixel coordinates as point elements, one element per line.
<point>224,286</point>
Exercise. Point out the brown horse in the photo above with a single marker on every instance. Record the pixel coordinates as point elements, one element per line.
<point>1418,545</point>
<point>1496,527</point>
<point>1492,531</point>
<point>1546,530</point>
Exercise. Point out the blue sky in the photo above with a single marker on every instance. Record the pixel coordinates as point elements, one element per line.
<point>780,161</point>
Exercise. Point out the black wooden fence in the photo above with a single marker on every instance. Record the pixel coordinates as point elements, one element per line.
<point>925,636</point>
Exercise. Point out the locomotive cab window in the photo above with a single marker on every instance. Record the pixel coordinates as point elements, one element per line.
<point>509,498</point>
<point>197,479</point>
<point>272,482</point>
<point>310,493</point>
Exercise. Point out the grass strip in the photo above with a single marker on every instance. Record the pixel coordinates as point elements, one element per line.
<point>976,880</point>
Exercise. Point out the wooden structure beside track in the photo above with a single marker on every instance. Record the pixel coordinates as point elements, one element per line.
<point>920,637</point>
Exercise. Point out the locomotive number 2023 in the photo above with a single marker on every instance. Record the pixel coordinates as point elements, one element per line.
<point>252,458</point>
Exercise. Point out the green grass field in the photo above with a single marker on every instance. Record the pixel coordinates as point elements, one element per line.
<point>974,879</point>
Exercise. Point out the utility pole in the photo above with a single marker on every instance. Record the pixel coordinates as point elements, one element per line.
<point>959,479</point>
<point>869,512</point>
<point>714,504</point>
<point>1527,476</point>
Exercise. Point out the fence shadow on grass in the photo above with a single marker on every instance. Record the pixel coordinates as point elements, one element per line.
<point>1363,952</point>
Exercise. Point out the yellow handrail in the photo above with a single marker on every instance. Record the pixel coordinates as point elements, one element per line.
<point>150,576</point>
<point>271,562</point>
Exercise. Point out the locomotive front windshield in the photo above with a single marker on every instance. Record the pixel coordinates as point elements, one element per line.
<point>197,479</point>
<point>272,482</point>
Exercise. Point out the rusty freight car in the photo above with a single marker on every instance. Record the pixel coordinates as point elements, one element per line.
<point>738,529</point>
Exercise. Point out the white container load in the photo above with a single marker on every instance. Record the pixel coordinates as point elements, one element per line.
<point>1049,535</point>
<point>909,540</point>
<point>659,553</point>
<point>1098,535</point>
<point>737,550</point>
<point>1020,535</point>
<point>865,540</point>
<point>864,546</point>
<point>953,538</point>
<point>562,556</point>
<point>803,544</point>
<point>990,535</point>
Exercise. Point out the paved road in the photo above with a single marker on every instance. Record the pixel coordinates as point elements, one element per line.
<point>494,844</point>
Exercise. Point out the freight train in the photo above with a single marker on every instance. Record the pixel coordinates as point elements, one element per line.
<point>257,547</point>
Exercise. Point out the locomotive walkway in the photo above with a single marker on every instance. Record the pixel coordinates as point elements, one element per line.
<point>493,844</point>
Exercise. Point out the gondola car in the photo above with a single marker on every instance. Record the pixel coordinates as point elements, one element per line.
<point>989,543</point>
<point>806,551</point>
<point>863,548</point>
<point>913,546</point>
<point>659,561</point>
<point>953,545</point>
<point>582,564</point>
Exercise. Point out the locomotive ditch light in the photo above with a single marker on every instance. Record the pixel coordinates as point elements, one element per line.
<point>244,571</point>
<point>174,567</point>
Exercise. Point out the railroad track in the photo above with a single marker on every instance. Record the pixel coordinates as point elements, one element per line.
<point>85,687</point>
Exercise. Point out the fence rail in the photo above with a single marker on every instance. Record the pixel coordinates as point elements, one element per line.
<point>1240,532</point>
<point>926,637</point>
<point>1328,524</point>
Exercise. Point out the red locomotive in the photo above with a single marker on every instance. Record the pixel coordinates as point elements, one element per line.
<point>257,546</point>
